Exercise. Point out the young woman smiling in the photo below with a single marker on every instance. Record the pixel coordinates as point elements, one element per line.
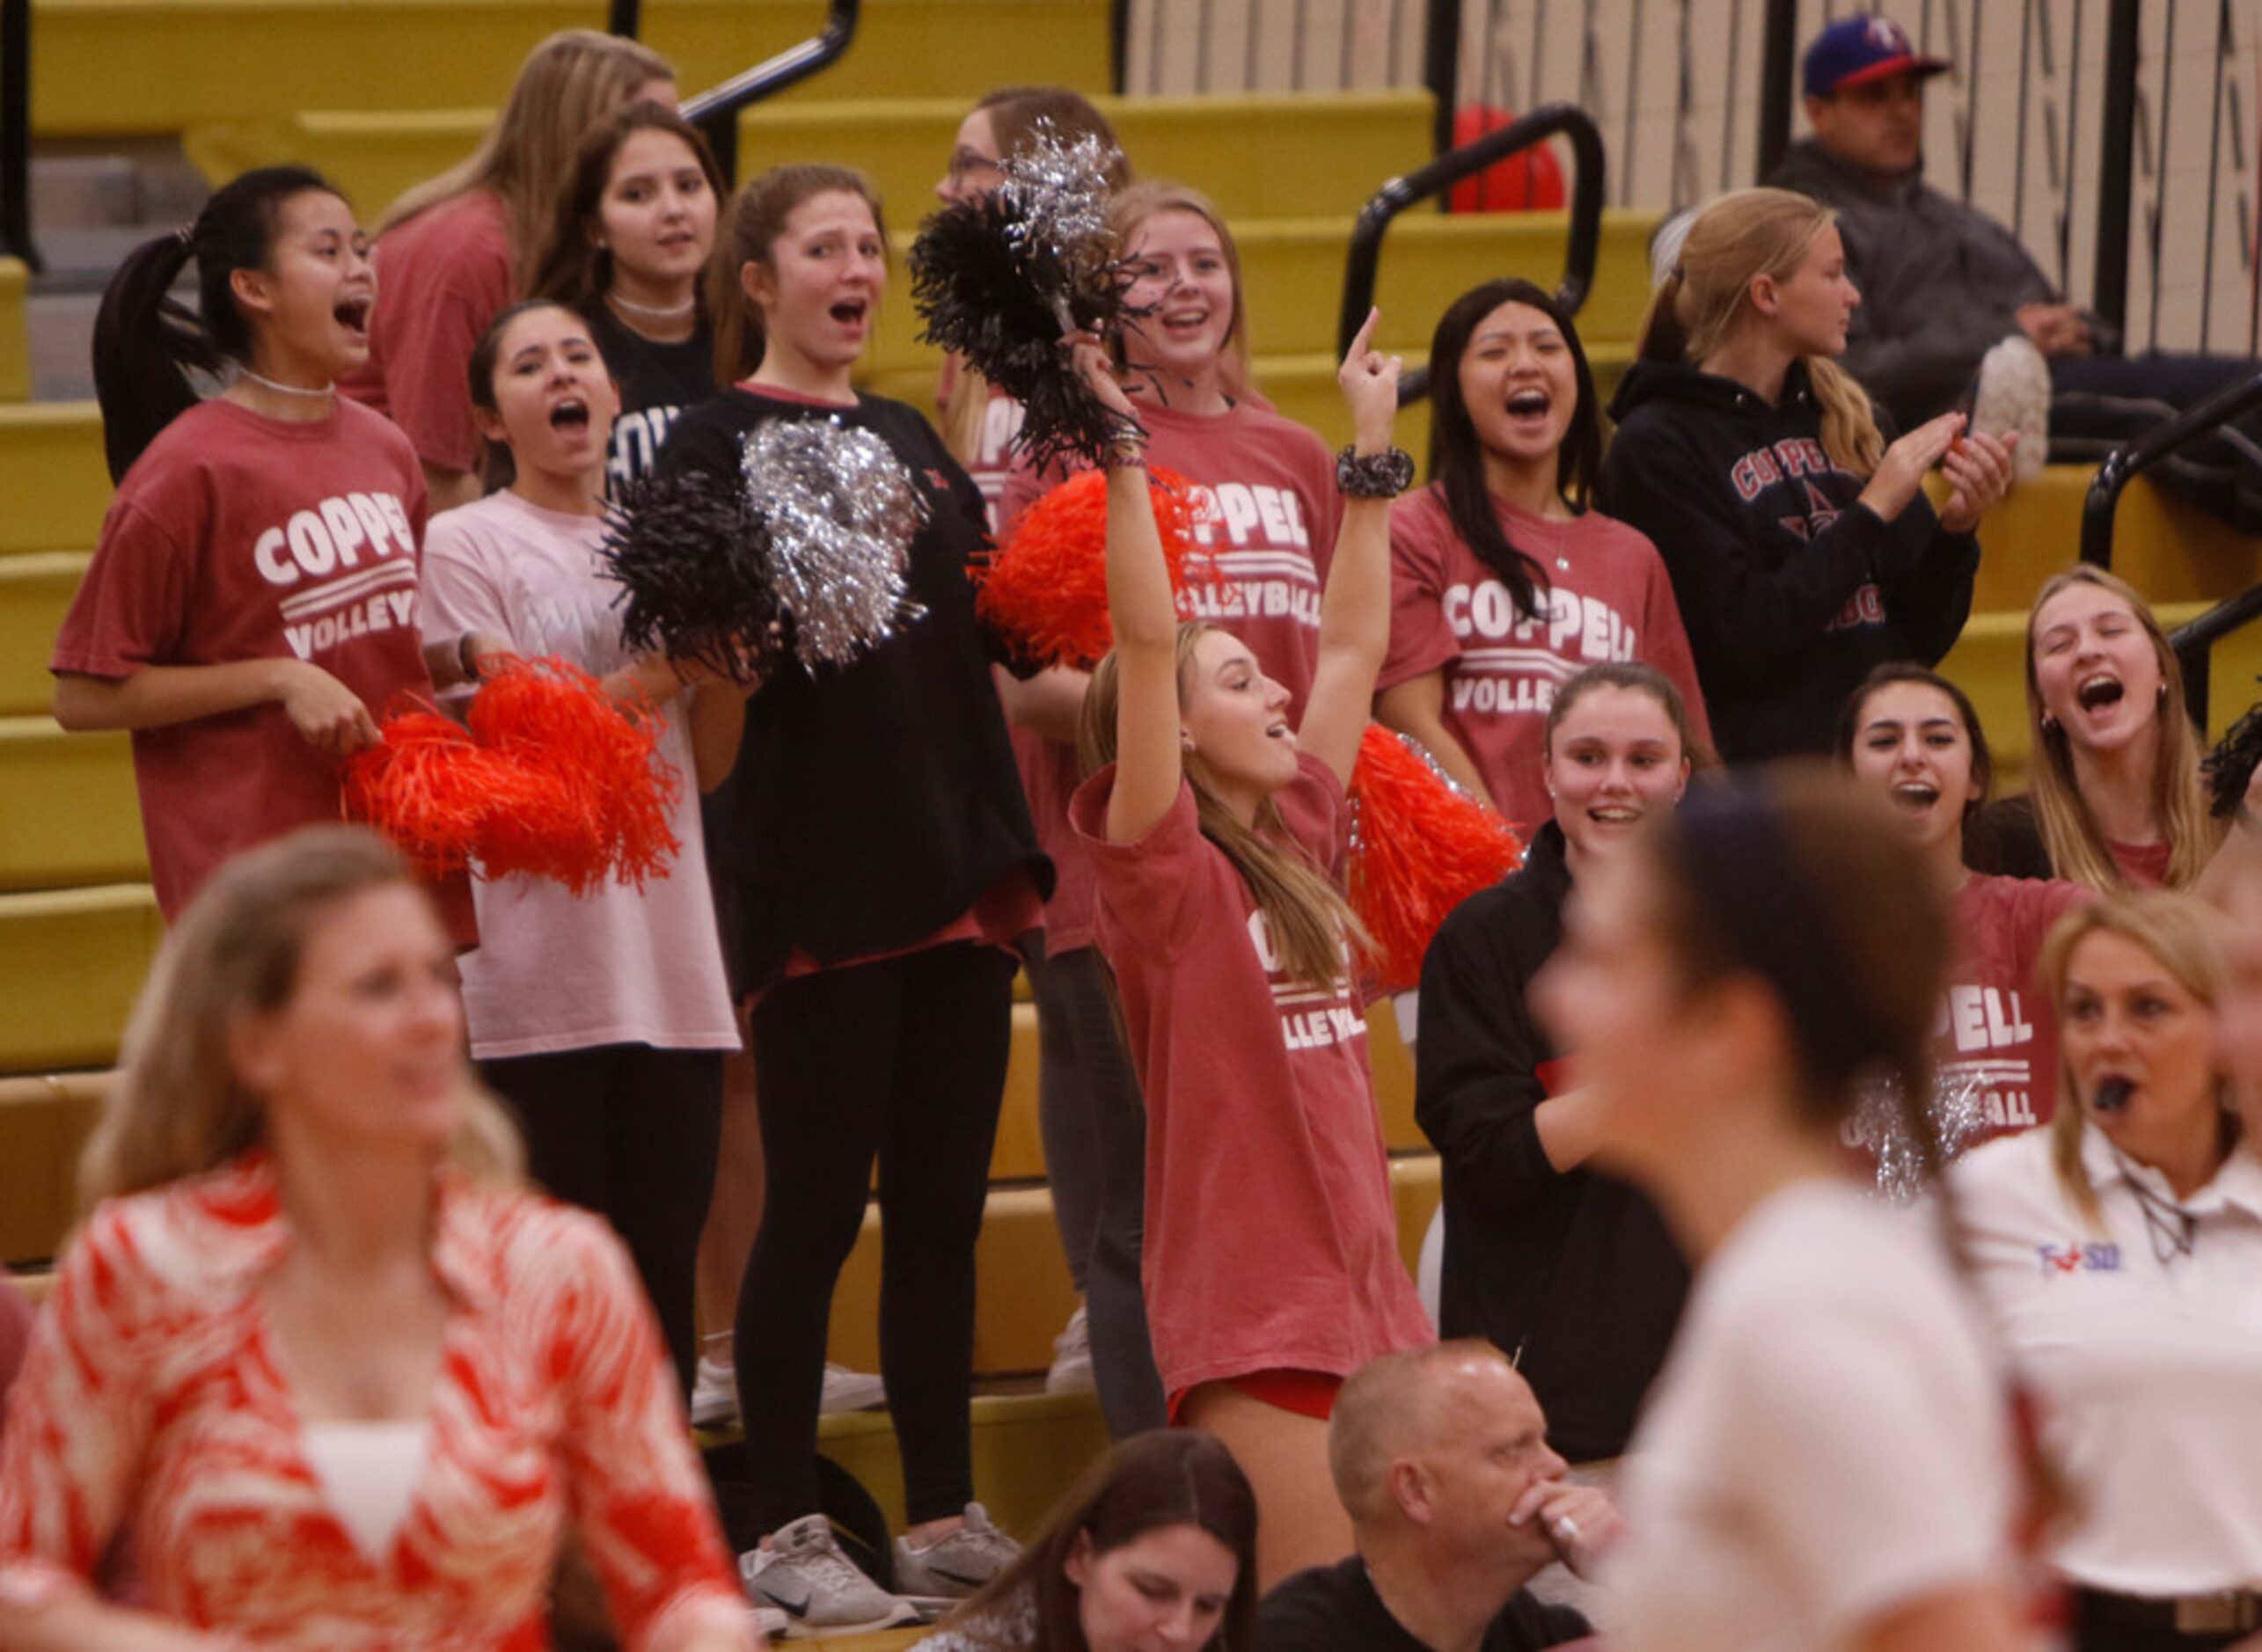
<point>1502,582</point>
<point>1803,550</point>
<point>1214,816</point>
<point>250,609</point>
<point>1913,737</point>
<point>603,1018</point>
<point>878,872</point>
<point>629,242</point>
<point>1565,1268</point>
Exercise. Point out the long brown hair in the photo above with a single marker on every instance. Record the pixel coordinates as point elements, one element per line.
<point>1163,1478</point>
<point>2184,935</point>
<point>2077,846</point>
<point>1015,113</point>
<point>1740,237</point>
<point>1309,919</point>
<point>177,1107</point>
<point>568,83</point>
<point>568,265</point>
<point>750,232</point>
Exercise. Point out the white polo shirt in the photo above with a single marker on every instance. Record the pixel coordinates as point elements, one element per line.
<point>2148,1362</point>
<point>1827,1444</point>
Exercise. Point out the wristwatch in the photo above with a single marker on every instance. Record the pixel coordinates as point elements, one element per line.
<point>1383,475</point>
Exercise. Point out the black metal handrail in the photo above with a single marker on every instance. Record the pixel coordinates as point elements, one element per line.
<point>2123,465</point>
<point>2195,642</point>
<point>715,113</point>
<point>1365,260</point>
<point>16,131</point>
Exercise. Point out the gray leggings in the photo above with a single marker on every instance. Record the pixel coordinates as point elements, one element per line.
<point>1094,1127</point>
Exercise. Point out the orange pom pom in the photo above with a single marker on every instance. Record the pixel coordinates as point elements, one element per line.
<point>1420,847</point>
<point>551,779</point>
<point>1045,591</point>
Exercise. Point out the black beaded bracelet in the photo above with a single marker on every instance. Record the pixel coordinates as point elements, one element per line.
<point>1383,475</point>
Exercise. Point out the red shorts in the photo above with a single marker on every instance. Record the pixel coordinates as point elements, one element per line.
<point>1309,1394</point>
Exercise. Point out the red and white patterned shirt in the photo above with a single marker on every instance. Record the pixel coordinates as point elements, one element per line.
<point>151,1406</point>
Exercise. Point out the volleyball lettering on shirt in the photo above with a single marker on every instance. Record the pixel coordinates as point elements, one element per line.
<point>1311,1018</point>
<point>1993,1040</point>
<point>1261,547</point>
<point>1799,459</point>
<point>1510,662</point>
<point>349,566</point>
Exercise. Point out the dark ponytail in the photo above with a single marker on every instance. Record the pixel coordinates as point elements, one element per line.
<point>146,343</point>
<point>1460,454</point>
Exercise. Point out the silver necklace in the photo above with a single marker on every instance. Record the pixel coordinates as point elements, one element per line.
<point>286,390</point>
<point>657,312</point>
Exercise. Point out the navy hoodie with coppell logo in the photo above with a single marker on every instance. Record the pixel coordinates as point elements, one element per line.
<point>1791,592</point>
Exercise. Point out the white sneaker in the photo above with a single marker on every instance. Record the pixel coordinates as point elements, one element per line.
<point>2013,394</point>
<point>846,1389</point>
<point>1071,1357</point>
<point>714,1393</point>
<point>805,1576</point>
<point>953,1567</point>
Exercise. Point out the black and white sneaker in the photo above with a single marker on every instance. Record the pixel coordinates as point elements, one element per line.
<point>805,1574</point>
<point>2013,394</point>
<point>953,1567</point>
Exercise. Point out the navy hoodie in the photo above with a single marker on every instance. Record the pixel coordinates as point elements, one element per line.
<point>1791,592</point>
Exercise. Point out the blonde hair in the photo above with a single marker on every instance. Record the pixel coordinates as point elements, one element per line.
<point>748,235</point>
<point>2077,846</point>
<point>1707,294</point>
<point>2184,935</point>
<point>1134,206</point>
<point>568,83</point>
<point>1309,919</point>
<point>176,1108</point>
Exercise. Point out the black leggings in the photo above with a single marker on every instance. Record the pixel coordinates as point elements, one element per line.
<point>629,1132</point>
<point>904,1059</point>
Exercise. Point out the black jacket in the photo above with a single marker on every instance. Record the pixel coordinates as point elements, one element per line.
<point>1569,1272</point>
<point>1790,591</point>
<point>872,803</point>
<point>1940,281</point>
<point>1335,1609</point>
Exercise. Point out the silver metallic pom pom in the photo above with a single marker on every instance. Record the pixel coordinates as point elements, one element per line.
<point>1056,190</point>
<point>841,512</point>
<point>1959,1118</point>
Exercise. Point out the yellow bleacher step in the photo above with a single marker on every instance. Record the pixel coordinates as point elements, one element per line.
<point>70,963</point>
<point>72,817</point>
<point>35,591</point>
<point>43,1124</point>
<point>2170,550</point>
<point>192,63</point>
<point>15,339</point>
<point>52,475</point>
<point>1028,1450</point>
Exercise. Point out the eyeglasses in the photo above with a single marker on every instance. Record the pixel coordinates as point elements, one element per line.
<point>965,163</point>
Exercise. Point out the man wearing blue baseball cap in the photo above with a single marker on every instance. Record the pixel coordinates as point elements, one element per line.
<point>1954,308</point>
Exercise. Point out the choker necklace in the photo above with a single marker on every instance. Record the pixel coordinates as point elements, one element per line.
<point>284,390</point>
<point>657,312</point>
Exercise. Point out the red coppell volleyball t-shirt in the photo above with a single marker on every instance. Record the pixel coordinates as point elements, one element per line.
<point>1266,514</point>
<point>1608,599</point>
<point>237,536</point>
<point>1272,1241</point>
<point>443,277</point>
<point>1996,1036</point>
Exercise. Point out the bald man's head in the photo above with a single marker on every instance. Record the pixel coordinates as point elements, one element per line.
<point>1412,1405</point>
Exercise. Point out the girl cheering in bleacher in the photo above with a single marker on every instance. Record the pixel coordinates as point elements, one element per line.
<point>1802,548</point>
<point>1216,819</point>
<point>1502,582</point>
<point>602,1017</point>
<point>457,248</point>
<point>879,867</point>
<point>251,608</point>
<point>627,247</point>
